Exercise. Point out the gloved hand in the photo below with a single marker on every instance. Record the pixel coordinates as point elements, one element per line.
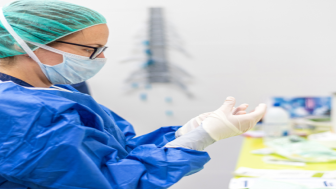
<point>196,122</point>
<point>222,123</point>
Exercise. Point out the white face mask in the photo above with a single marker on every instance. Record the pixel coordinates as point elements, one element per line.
<point>74,68</point>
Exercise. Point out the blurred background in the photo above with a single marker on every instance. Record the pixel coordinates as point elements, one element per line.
<point>247,49</point>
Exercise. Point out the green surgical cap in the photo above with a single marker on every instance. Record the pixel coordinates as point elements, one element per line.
<point>43,21</point>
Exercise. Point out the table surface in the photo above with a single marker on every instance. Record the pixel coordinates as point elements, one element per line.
<point>247,159</point>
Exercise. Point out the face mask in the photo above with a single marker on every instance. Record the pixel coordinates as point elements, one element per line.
<point>74,68</point>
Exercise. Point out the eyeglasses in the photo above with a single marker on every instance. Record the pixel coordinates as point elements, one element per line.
<point>97,50</point>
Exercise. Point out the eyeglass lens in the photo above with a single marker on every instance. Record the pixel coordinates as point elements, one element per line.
<point>98,52</point>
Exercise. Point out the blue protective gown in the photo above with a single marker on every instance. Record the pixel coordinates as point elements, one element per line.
<point>51,138</point>
<point>82,87</point>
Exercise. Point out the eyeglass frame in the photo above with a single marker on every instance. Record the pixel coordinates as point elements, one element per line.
<point>96,49</point>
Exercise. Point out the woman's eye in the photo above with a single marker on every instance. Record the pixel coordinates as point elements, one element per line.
<point>89,50</point>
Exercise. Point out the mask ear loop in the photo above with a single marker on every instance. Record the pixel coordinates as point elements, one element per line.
<point>21,42</point>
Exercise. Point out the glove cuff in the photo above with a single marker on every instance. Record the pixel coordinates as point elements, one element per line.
<point>197,139</point>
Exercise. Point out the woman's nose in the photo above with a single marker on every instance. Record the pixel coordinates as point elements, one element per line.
<point>102,55</point>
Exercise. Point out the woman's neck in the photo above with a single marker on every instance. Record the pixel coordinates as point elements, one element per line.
<point>25,69</point>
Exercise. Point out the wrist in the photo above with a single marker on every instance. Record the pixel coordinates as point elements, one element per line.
<point>197,139</point>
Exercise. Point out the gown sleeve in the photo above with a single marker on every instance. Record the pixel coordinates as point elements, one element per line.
<point>48,147</point>
<point>159,137</point>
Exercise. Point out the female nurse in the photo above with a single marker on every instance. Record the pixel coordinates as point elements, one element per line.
<point>52,136</point>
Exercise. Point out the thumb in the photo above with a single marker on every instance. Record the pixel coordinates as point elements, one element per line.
<point>228,105</point>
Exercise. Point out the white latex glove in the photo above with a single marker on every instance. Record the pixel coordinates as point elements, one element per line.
<point>191,125</point>
<point>196,122</point>
<point>223,123</point>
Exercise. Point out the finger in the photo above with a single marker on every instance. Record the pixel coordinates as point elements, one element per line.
<point>242,107</point>
<point>259,111</point>
<point>234,110</point>
<point>254,117</point>
<point>228,105</point>
<point>241,113</point>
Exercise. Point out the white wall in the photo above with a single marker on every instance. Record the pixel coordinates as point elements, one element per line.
<point>247,49</point>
